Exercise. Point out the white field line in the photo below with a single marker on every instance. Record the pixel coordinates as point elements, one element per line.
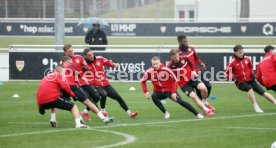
<point>159,125</point>
<point>128,138</point>
<point>35,133</point>
<point>250,128</point>
<point>166,122</point>
<point>35,123</point>
<point>188,120</point>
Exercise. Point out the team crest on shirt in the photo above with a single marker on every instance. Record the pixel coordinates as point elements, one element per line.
<point>77,61</point>
<point>246,62</point>
<point>162,74</point>
<point>189,49</point>
<point>98,64</point>
<point>20,65</point>
<point>182,61</point>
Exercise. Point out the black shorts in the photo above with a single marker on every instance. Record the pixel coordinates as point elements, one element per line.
<point>101,91</point>
<point>164,95</point>
<point>79,92</point>
<point>246,86</point>
<point>60,103</point>
<point>190,86</point>
<point>92,92</point>
<point>272,88</point>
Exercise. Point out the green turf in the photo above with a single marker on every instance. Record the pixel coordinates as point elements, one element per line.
<point>20,115</point>
<point>6,41</point>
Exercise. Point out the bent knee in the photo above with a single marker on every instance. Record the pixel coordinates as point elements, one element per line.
<point>201,87</point>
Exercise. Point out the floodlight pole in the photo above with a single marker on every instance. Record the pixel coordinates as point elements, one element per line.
<point>6,8</point>
<point>81,8</point>
<point>59,23</point>
<point>44,8</point>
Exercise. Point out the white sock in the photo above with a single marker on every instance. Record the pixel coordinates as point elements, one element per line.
<point>274,102</point>
<point>255,104</point>
<point>53,117</point>
<point>77,120</point>
<point>128,112</point>
<point>204,101</point>
<point>100,115</point>
<point>205,109</point>
<point>86,111</point>
<point>103,109</point>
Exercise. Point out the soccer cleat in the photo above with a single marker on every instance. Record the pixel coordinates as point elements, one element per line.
<point>81,120</point>
<point>199,116</point>
<point>210,107</point>
<point>167,115</point>
<point>104,113</point>
<point>82,126</point>
<point>209,113</point>
<point>257,109</point>
<point>53,123</point>
<point>133,114</point>
<point>86,116</point>
<point>107,120</point>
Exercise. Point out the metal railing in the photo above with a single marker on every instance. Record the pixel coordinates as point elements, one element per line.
<point>138,48</point>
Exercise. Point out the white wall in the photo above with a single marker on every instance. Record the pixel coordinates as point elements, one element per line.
<point>4,66</point>
<point>183,4</point>
<point>222,9</point>
<point>228,9</point>
<point>263,9</point>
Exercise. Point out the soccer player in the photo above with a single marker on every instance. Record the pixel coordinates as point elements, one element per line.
<point>49,97</point>
<point>96,66</point>
<point>189,52</point>
<point>80,68</point>
<point>164,86</point>
<point>266,70</point>
<point>240,70</point>
<point>187,79</point>
<point>69,70</point>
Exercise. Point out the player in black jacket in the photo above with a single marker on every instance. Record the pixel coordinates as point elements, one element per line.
<point>96,37</point>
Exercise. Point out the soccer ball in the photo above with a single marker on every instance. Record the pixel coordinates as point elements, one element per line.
<point>273,145</point>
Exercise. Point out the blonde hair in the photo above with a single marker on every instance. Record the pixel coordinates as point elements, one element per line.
<point>173,52</point>
<point>155,58</point>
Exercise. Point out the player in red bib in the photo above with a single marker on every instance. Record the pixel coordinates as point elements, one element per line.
<point>187,79</point>
<point>97,77</point>
<point>81,95</point>
<point>189,52</point>
<point>80,67</point>
<point>49,97</point>
<point>266,70</point>
<point>164,86</point>
<point>240,69</point>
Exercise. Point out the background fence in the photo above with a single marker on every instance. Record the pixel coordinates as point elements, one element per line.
<point>188,10</point>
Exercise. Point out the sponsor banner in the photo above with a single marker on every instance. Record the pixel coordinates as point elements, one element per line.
<point>145,29</point>
<point>132,65</point>
<point>37,29</point>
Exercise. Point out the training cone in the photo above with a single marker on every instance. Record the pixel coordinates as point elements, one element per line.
<point>213,97</point>
<point>132,88</point>
<point>15,96</point>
